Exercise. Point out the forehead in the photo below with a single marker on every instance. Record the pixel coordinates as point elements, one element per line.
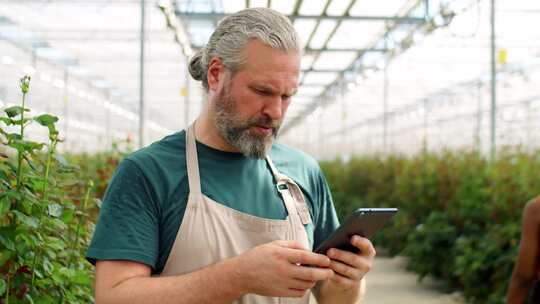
<point>272,66</point>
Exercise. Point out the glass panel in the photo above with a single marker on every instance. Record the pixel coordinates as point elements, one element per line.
<point>321,35</point>
<point>312,7</point>
<point>338,7</point>
<point>283,6</point>
<point>334,60</point>
<point>356,34</point>
<point>322,78</point>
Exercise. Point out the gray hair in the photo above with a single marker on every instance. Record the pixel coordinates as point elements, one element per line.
<point>235,31</point>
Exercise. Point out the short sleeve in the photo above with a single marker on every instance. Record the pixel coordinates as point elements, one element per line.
<point>327,220</point>
<point>127,227</point>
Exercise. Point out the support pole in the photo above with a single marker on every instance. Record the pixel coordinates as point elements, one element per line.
<point>142,124</point>
<point>385,108</point>
<point>493,84</point>
<point>66,106</point>
<point>187,99</point>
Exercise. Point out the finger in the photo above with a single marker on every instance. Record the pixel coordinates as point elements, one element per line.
<point>343,281</point>
<point>290,244</point>
<point>346,270</point>
<point>365,245</point>
<point>305,257</point>
<point>311,273</point>
<point>301,284</point>
<point>347,257</point>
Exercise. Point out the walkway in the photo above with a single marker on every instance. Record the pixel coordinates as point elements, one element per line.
<point>389,283</point>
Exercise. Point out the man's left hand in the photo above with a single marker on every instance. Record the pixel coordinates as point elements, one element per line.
<point>350,268</point>
<point>348,283</point>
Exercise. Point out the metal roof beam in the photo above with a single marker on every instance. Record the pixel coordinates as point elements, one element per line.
<point>321,70</point>
<point>325,45</point>
<point>399,19</point>
<point>339,81</point>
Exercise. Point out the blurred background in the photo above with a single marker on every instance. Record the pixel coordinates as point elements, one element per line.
<point>431,106</point>
<point>393,76</point>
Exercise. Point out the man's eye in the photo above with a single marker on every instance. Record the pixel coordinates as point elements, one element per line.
<point>263,92</point>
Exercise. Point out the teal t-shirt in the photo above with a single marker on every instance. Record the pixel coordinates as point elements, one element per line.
<point>146,199</point>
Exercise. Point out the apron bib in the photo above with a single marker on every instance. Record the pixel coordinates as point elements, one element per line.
<point>211,231</point>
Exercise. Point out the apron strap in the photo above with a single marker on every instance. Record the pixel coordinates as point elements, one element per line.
<point>291,194</point>
<point>192,161</point>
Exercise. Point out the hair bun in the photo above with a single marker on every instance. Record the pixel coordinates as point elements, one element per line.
<point>195,65</point>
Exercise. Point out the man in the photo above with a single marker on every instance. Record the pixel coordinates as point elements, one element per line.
<point>527,268</point>
<point>220,214</point>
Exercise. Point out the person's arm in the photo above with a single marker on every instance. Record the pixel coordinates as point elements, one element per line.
<point>271,269</point>
<point>527,262</point>
<point>348,285</point>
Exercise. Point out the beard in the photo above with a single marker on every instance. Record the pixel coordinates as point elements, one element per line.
<point>237,130</point>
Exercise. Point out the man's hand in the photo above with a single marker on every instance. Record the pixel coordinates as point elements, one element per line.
<point>349,270</point>
<point>349,267</point>
<point>277,269</point>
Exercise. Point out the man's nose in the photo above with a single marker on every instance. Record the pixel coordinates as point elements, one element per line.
<point>274,108</point>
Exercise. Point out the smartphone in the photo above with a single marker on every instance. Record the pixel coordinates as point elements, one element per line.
<point>364,222</point>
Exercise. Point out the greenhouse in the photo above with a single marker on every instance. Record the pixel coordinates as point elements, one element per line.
<point>428,106</point>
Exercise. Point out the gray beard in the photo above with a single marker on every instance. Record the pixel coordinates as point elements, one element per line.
<point>236,131</point>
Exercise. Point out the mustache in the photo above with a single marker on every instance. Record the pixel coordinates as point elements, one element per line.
<point>264,121</point>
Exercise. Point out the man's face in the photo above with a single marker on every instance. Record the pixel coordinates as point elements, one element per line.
<point>251,106</point>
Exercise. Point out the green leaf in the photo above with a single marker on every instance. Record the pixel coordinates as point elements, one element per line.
<point>5,205</point>
<point>14,111</point>
<point>38,184</point>
<point>25,145</point>
<point>3,175</point>
<point>56,224</point>
<point>9,244</point>
<point>57,278</point>
<point>82,279</point>
<point>32,164</point>
<point>27,220</point>
<point>13,194</point>
<point>29,240</point>
<point>8,121</point>
<point>26,206</point>
<point>13,136</point>
<point>69,183</point>
<point>29,298</point>
<point>47,266</point>
<point>55,210</point>
<point>19,122</point>
<point>5,255</point>
<point>2,286</point>
<point>53,133</point>
<point>46,119</point>
<point>67,215</point>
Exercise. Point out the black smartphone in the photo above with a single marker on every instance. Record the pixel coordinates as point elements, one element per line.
<point>364,222</point>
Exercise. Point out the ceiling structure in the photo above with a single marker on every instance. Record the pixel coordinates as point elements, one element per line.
<point>342,39</point>
<point>409,65</point>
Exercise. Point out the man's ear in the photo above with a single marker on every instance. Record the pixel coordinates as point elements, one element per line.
<point>216,73</point>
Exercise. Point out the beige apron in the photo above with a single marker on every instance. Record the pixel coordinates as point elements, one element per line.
<point>211,231</point>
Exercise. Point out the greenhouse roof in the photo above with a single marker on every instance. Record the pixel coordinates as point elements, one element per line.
<point>430,49</point>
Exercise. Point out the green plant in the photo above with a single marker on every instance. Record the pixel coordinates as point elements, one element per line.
<point>459,217</point>
<point>39,194</point>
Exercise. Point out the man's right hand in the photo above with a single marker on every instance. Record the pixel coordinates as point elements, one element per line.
<point>271,269</point>
<point>281,269</point>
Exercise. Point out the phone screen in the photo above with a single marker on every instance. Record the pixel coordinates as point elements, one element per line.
<point>364,222</point>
